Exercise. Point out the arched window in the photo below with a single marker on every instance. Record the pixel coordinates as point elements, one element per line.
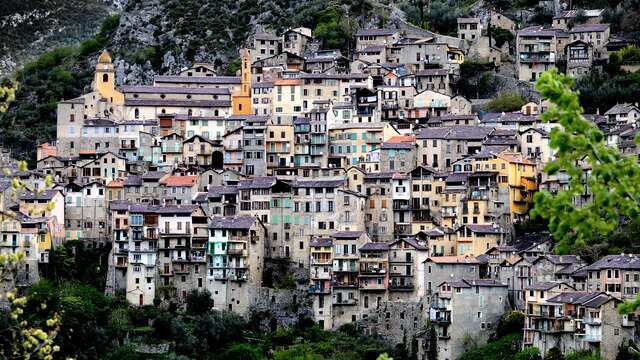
<point>136,113</point>
<point>190,112</point>
<point>105,77</point>
<point>240,107</point>
<point>215,112</point>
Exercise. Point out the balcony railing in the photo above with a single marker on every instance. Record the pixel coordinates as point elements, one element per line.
<point>344,302</point>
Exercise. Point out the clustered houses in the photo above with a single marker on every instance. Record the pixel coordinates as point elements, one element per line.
<point>384,197</point>
<point>577,47</point>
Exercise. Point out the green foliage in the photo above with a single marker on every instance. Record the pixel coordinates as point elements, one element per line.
<point>242,351</point>
<point>75,261</point>
<point>511,323</point>
<point>604,90</point>
<point>287,282</point>
<point>334,29</point>
<point>582,355</point>
<point>7,94</point>
<point>541,16</point>
<point>441,15</point>
<point>501,36</point>
<point>504,348</point>
<point>612,178</point>
<point>554,354</point>
<point>477,80</point>
<point>234,66</point>
<point>506,102</point>
<point>199,302</point>
<point>530,353</point>
<point>62,73</point>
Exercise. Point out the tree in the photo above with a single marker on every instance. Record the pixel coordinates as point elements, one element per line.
<point>582,154</point>
<point>554,354</point>
<point>199,302</point>
<point>530,353</point>
<point>432,338</point>
<point>506,102</point>
<point>25,339</point>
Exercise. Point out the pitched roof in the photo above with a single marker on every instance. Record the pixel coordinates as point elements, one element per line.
<point>544,285</point>
<point>626,261</point>
<point>457,132</point>
<point>177,180</point>
<point>318,241</point>
<point>148,89</point>
<point>467,260</point>
<point>240,222</point>
<point>39,195</point>
<point>468,20</point>
<point>197,79</point>
<point>580,28</point>
<point>318,183</point>
<point>375,246</point>
<point>539,31</point>
<point>376,32</point>
<point>347,234</point>
<point>261,182</point>
<point>621,109</point>
<point>483,229</point>
<point>217,191</point>
<point>432,72</point>
<point>178,103</point>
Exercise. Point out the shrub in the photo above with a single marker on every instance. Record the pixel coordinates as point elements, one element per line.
<point>505,102</point>
<point>241,351</point>
<point>199,302</point>
<point>530,353</point>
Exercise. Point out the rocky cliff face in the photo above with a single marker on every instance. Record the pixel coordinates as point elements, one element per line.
<point>148,37</point>
<point>31,27</point>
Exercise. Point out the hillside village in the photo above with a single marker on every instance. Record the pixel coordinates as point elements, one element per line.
<point>360,187</point>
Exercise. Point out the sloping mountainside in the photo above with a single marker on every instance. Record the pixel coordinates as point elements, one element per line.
<point>30,27</point>
<point>148,37</point>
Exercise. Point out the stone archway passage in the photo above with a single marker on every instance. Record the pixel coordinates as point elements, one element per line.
<point>217,160</point>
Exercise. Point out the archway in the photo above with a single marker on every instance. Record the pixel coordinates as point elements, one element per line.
<point>217,160</point>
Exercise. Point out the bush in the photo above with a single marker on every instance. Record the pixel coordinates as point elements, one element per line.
<point>504,348</point>
<point>530,353</point>
<point>511,323</point>
<point>241,351</point>
<point>582,355</point>
<point>554,354</point>
<point>501,36</point>
<point>199,302</point>
<point>505,103</point>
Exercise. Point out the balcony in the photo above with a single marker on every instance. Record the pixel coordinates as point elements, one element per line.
<point>372,286</point>
<point>372,270</point>
<point>592,321</point>
<point>400,286</point>
<point>181,269</point>
<point>345,268</point>
<point>344,302</point>
<point>240,276</point>
<point>236,252</point>
<point>320,275</point>
<point>401,205</point>
<point>320,261</point>
<point>345,284</point>
<point>319,290</point>
<point>593,337</point>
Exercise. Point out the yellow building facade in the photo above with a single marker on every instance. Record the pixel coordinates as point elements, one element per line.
<point>242,100</point>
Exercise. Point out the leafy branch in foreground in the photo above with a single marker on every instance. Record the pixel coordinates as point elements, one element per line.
<point>592,167</point>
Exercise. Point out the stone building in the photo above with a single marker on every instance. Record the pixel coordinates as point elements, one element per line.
<point>464,313</point>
